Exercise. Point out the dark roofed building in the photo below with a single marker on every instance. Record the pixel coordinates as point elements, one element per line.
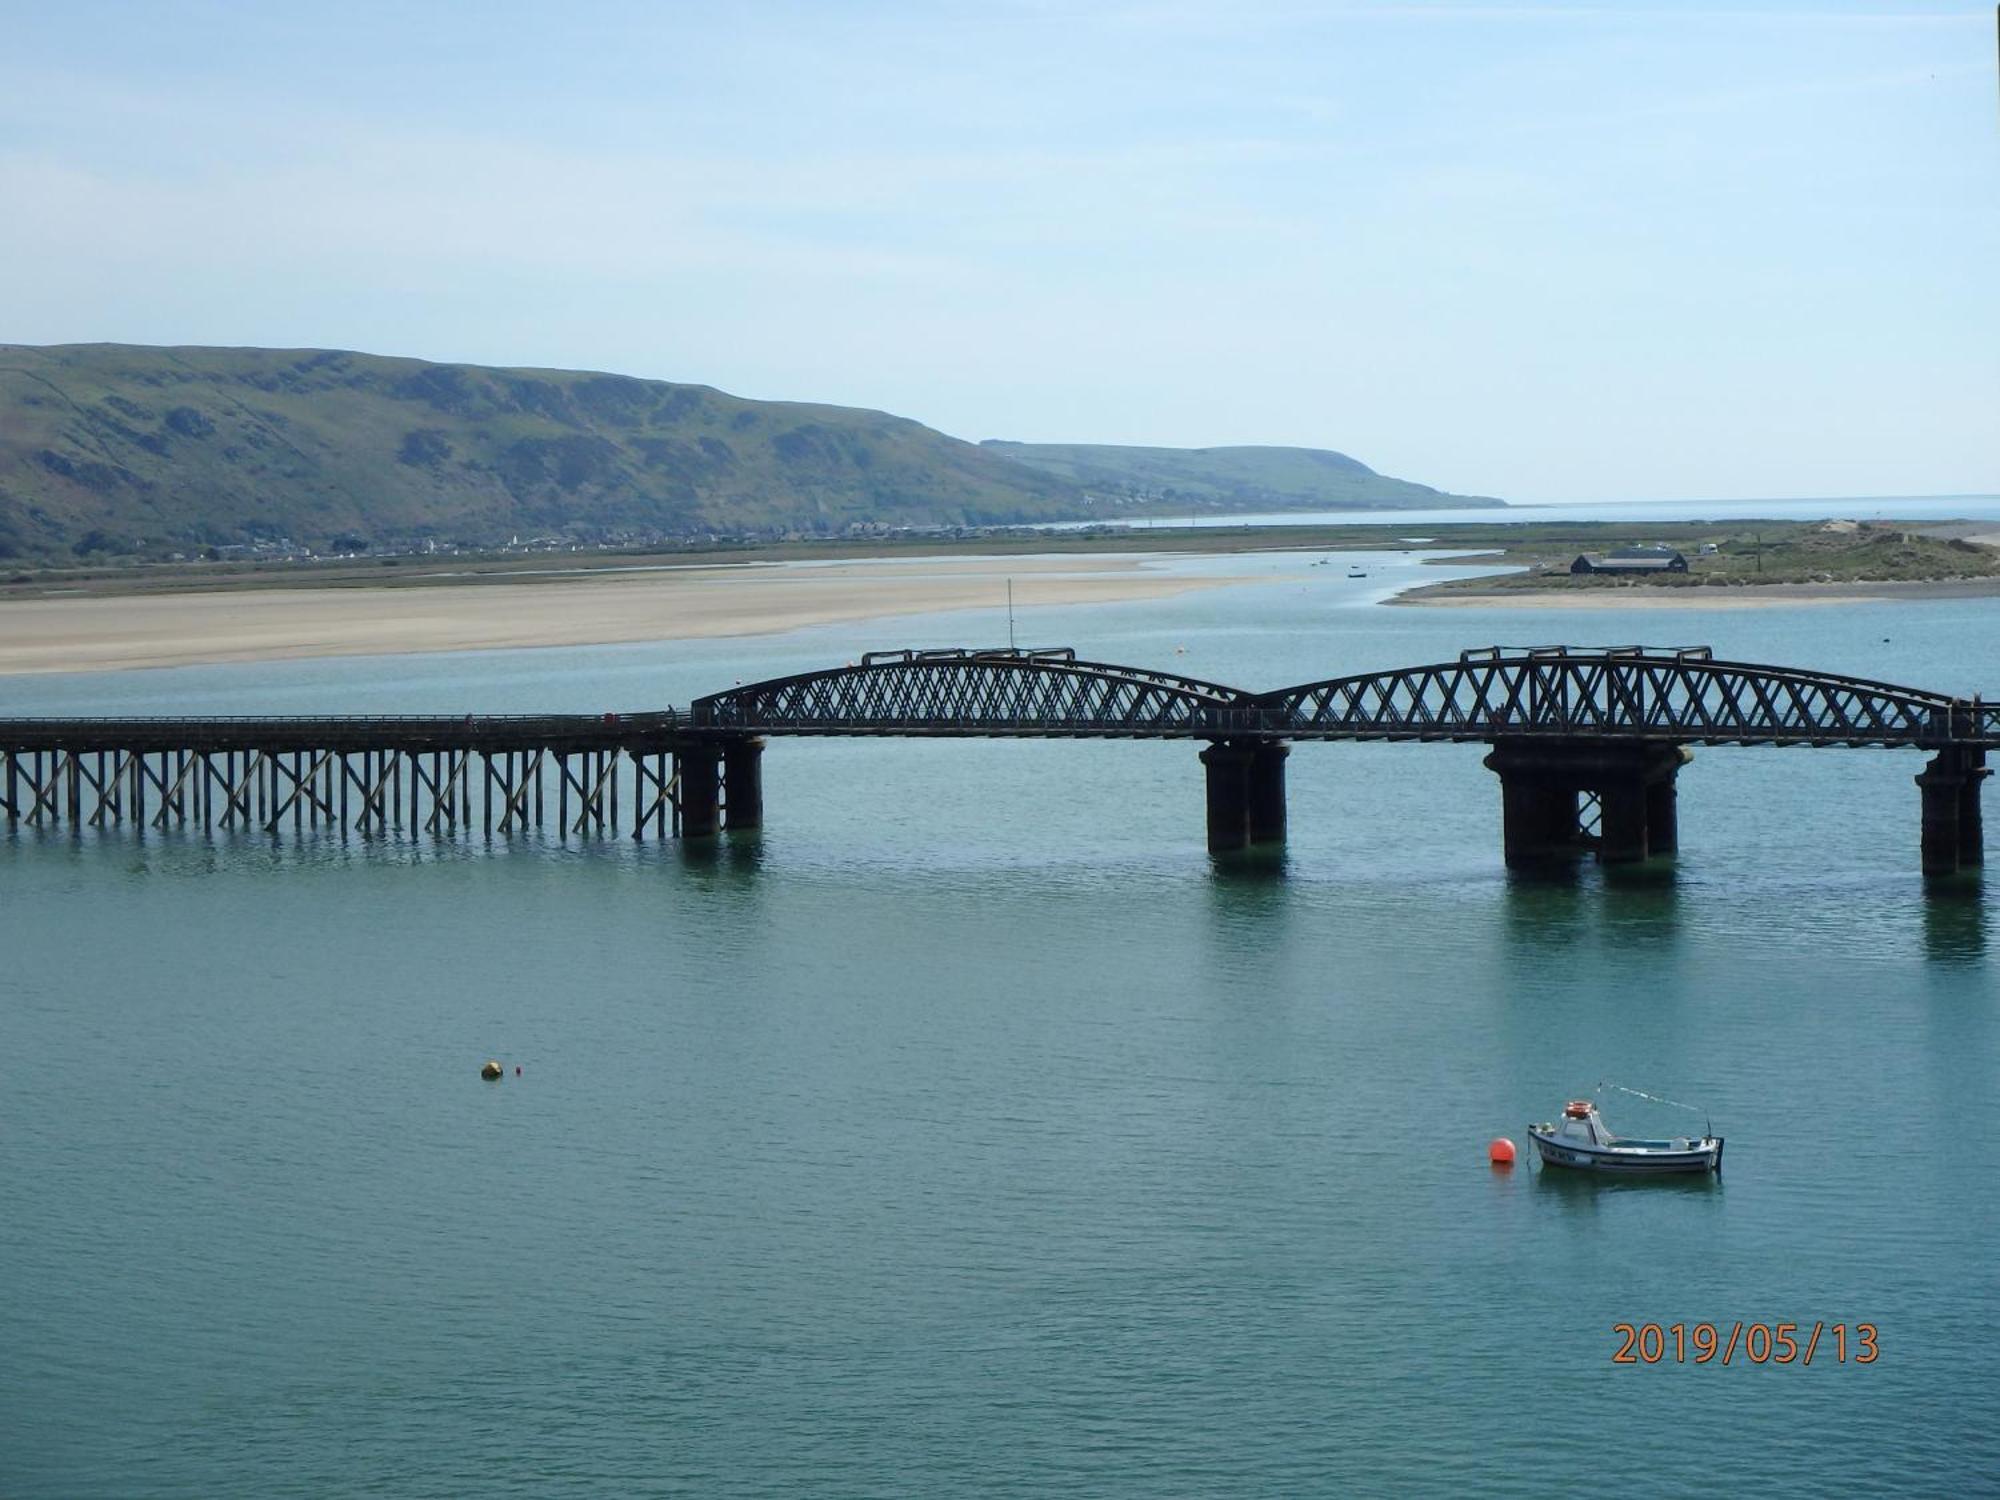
<point>1632,560</point>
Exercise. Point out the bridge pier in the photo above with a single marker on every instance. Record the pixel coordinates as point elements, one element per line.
<point>1663,828</point>
<point>1541,783</point>
<point>743,784</point>
<point>1953,829</point>
<point>1246,793</point>
<point>1267,792</point>
<point>699,769</point>
<point>1538,822</point>
<point>1622,825</point>
<point>721,785</point>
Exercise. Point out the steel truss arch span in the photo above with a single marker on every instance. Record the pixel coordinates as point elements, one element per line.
<point>1043,693</point>
<point>1686,696</point>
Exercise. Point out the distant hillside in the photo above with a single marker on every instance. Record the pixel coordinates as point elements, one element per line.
<point>119,449</point>
<point>1228,478</point>
<point>116,448</point>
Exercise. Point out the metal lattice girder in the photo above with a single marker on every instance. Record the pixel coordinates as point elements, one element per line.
<point>1021,692</point>
<point>1650,693</point>
<point>1682,696</point>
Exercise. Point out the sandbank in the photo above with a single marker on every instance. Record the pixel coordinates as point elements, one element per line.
<point>96,633</point>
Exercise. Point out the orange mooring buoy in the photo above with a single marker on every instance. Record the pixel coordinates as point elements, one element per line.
<point>1501,1152</point>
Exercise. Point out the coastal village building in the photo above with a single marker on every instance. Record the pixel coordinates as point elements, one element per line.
<point>1632,560</point>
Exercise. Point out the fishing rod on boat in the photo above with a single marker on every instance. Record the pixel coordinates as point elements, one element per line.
<point>1707,1125</point>
<point>1640,1094</point>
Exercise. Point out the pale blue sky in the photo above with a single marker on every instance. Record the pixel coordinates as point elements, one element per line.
<point>1546,251</point>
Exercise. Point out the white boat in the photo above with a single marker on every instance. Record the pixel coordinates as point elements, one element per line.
<point>1357,572</point>
<point>1581,1139</point>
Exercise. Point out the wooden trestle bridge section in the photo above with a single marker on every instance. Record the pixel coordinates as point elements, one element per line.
<point>1587,743</point>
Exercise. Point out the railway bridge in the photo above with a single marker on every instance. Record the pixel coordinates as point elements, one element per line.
<point>1587,744</point>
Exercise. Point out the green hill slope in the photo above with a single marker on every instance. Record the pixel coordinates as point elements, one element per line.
<point>117,448</point>
<point>123,449</point>
<point>1228,478</point>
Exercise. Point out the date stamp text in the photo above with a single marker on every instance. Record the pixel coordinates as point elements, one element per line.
<point>1751,1343</point>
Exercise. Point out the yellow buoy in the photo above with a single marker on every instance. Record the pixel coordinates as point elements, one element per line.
<point>491,1070</point>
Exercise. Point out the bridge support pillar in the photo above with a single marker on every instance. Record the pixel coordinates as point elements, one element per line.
<point>1228,768</point>
<point>1540,782</point>
<point>1538,823</point>
<point>1623,831</point>
<point>1953,831</point>
<point>699,769</point>
<point>1246,794</point>
<point>1663,820</point>
<point>1267,792</point>
<point>743,784</point>
<point>1971,825</point>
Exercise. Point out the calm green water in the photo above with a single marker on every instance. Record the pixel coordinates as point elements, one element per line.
<point>971,1134</point>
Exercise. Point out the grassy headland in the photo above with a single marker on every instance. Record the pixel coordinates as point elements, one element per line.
<point>1180,480</point>
<point>1746,554</point>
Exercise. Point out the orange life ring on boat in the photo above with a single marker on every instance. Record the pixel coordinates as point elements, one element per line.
<point>1577,1109</point>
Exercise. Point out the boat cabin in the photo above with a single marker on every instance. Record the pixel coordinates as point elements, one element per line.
<point>1581,1124</point>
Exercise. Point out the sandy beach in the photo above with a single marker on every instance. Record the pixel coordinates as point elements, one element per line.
<point>121,632</point>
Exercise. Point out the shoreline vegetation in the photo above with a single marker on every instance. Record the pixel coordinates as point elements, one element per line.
<point>1768,596</point>
<point>1746,563</point>
<point>1804,559</point>
<point>80,619</point>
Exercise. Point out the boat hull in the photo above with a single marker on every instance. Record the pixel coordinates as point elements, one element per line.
<point>1705,1156</point>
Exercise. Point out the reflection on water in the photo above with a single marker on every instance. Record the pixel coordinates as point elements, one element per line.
<point>1643,912</point>
<point>1248,901</point>
<point>1586,1192</point>
<point>1637,907</point>
<point>1544,913</point>
<point>1548,875</point>
<point>1258,865</point>
<point>739,851</point>
<point>1955,919</point>
<point>1651,874</point>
